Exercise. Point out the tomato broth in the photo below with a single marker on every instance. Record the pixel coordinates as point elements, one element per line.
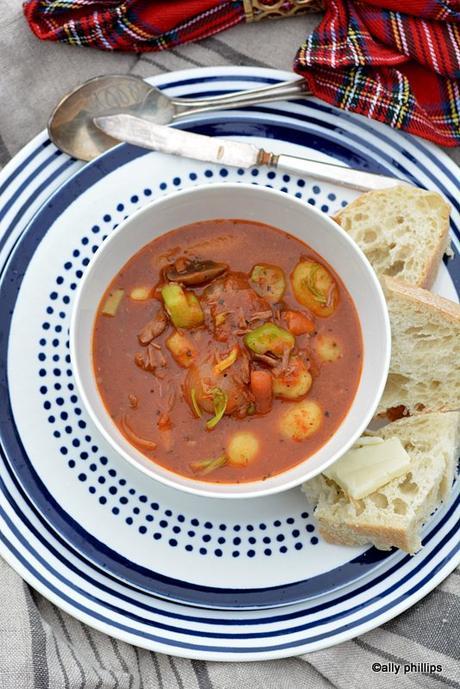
<point>227,351</point>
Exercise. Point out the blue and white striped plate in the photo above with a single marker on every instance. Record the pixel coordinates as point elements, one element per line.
<point>171,572</point>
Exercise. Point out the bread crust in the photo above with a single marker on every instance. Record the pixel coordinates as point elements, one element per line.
<point>433,264</point>
<point>383,538</point>
<point>422,299</point>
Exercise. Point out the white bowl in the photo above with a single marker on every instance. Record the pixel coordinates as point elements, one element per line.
<point>248,202</point>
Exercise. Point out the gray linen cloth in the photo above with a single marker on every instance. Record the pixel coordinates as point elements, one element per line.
<point>40,646</point>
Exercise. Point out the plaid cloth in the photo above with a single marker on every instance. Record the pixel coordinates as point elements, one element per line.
<point>132,25</point>
<point>402,68</point>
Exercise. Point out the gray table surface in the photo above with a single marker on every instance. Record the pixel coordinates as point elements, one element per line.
<point>43,647</point>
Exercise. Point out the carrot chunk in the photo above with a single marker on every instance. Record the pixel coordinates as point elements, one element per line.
<point>262,389</point>
<point>298,323</point>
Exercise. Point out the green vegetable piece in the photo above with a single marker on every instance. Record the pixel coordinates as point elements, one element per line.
<point>205,466</point>
<point>112,302</point>
<point>269,338</point>
<point>195,405</point>
<point>219,400</point>
<point>183,307</point>
<point>269,282</point>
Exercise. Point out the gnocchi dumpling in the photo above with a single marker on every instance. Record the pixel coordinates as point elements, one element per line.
<point>328,347</point>
<point>295,382</point>
<point>301,420</point>
<point>242,448</point>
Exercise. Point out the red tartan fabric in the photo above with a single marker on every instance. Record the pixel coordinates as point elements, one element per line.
<point>131,25</point>
<point>401,68</point>
<point>397,62</point>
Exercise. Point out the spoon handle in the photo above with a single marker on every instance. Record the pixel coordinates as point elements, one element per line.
<point>286,89</point>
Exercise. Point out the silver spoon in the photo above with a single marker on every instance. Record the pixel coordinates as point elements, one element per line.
<point>71,126</point>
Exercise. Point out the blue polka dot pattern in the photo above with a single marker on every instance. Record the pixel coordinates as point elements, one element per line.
<point>121,499</point>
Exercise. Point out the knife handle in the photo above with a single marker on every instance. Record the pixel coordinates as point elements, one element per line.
<point>337,174</point>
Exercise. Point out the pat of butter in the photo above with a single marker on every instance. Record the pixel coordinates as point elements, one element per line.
<point>363,470</point>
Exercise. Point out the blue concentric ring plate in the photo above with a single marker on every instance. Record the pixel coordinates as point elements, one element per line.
<point>189,576</point>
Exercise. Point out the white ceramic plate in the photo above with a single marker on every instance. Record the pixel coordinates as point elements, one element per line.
<point>84,528</point>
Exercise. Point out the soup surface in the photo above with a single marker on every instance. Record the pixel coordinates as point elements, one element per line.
<point>227,351</point>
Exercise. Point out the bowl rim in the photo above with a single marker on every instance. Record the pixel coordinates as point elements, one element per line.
<point>194,486</point>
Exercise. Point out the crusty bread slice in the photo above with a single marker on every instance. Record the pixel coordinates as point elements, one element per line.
<point>425,358</point>
<point>404,231</point>
<point>394,515</point>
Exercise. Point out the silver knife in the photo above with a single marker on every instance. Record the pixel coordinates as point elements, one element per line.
<point>136,130</point>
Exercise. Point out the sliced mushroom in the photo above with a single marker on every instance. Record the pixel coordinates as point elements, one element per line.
<point>153,328</point>
<point>194,272</point>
